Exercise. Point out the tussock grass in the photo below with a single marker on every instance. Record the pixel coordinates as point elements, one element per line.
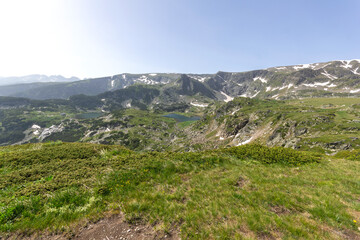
<point>244,192</point>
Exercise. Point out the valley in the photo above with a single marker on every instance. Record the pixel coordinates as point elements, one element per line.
<point>265,154</point>
<point>326,125</point>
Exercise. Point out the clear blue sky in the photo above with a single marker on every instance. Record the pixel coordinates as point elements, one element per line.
<point>92,38</point>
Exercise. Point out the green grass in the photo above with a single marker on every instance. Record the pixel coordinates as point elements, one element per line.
<point>318,102</point>
<point>242,192</point>
<point>350,155</point>
<point>325,119</point>
<point>185,124</point>
<point>314,124</point>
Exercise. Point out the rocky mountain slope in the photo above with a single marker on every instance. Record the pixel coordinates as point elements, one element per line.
<point>89,86</point>
<point>335,78</point>
<point>35,78</point>
<point>315,124</point>
<point>277,107</point>
<point>170,155</point>
<point>133,117</point>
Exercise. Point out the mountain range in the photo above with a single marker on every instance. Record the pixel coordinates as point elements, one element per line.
<point>265,154</point>
<point>35,78</point>
<point>335,78</point>
<point>266,106</point>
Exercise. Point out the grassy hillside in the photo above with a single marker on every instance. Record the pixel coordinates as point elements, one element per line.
<point>325,125</point>
<point>245,192</point>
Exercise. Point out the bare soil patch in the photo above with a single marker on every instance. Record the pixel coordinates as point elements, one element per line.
<point>280,210</point>
<point>110,228</point>
<point>241,182</point>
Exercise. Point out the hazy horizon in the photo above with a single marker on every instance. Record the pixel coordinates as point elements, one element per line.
<point>93,38</point>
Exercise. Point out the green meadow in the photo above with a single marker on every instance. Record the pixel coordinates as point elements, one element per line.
<point>246,192</point>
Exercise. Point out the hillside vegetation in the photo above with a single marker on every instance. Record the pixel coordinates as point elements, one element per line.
<point>245,192</point>
<point>326,125</point>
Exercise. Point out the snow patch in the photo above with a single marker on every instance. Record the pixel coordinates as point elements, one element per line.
<point>36,132</point>
<point>245,142</point>
<point>152,74</point>
<point>35,126</point>
<point>355,71</point>
<point>298,67</point>
<point>263,80</point>
<point>128,104</point>
<point>199,78</point>
<point>346,64</point>
<point>325,73</point>
<point>275,96</point>
<point>286,86</point>
<point>326,65</point>
<point>268,89</point>
<point>228,98</point>
<point>255,94</point>
<point>146,80</point>
<point>221,138</point>
<point>355,91</point>
<point>112,83</point>
<point>235,112</point>
<point>199,105</point>
<point>124,76</point>
<point>317,84</point>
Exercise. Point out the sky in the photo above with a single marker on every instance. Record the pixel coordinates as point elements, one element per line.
<point>95,38</point>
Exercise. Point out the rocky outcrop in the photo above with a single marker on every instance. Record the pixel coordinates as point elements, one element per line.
<point>48,131</point>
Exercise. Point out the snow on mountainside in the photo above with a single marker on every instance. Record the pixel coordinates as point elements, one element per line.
<point>348,64</point>
<point>335,78</point>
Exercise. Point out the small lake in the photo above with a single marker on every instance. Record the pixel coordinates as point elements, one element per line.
<point>181,118</point>
<point>89,115</point>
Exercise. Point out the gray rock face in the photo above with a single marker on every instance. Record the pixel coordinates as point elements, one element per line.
<point>300,131</point>
<point>48,131</point>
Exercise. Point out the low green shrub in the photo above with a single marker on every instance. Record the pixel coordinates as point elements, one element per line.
<point>353,155</point>
<point>269,155</point>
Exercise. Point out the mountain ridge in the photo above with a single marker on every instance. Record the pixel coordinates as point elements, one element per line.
<point>334,78</point>
<point>33,78</point>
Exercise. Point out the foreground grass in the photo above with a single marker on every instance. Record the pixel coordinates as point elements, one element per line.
<point>244,192</point>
